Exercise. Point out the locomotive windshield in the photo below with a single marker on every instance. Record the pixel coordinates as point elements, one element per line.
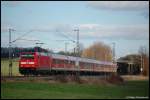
<point>27,56</point>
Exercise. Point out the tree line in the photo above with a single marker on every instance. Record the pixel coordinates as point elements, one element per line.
<point>15,51</point>
<point>97,51</point>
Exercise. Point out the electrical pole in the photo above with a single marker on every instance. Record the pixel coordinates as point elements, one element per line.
<point>94,52</point>
<point>78,66</point>
<point>141,64</point>
<point>10,43</point>
<point>143,52</point>
<point>113,52</point>
<point>66,62</point>
<point>10,56</point>
<point>77,41</point>
<point>66,47</point>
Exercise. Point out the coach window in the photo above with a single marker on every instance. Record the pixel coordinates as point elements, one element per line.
<point>87,64</point>
<point>100,65</point>
<point>80,63</point>
<point>91,64</point>
<point>61,61</point>
<point>83,64</point>
<point>54,61</point>
<point>65,62</point>
<point>94,65</point>
<point>73,62</point>
<point>58,61</point>
<point>69,61</point>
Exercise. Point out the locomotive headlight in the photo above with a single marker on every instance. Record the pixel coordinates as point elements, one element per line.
<point>23,62</point>
<point>31,62</point>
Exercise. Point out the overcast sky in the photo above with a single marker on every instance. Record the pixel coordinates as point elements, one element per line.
<point>124,22</point>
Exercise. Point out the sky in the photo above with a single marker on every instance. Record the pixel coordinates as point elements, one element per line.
<point>125,23</point>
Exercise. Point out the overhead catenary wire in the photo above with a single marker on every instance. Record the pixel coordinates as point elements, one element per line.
<point>65,36</point>
<point>22,36</point>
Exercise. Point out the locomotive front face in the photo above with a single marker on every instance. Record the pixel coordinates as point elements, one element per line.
<point>27,60</point>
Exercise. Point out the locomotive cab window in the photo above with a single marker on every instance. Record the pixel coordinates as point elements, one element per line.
<point>27,56</point>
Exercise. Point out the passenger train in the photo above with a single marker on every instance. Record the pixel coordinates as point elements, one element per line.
<point>37,63</point>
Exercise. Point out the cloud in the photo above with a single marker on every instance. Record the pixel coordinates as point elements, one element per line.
<point>145,14</point>
<point>114,31</point>
<point>65,31</point>
<point>86,31</point>
<point>119,5</point>
<point>142,7</point>
<point>4,29</point>
<point>11,3</point>
<point>88,26</point>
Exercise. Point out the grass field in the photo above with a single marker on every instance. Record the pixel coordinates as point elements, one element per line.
<point>5,67</point>
<point>25,90</point>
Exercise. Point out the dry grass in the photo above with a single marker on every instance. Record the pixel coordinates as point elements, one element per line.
<point>134,77</point>
<point>97,80</point>
<point>110,80</point>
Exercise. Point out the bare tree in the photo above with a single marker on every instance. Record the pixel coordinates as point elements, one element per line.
<point>98,51</point>
<point>144,62</point>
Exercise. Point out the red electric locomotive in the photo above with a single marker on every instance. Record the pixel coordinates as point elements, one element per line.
<point>31,62</point>
<point>47,63</point>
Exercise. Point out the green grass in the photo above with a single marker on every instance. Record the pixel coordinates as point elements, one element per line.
<point>5,67</point>
<point>25,90</point>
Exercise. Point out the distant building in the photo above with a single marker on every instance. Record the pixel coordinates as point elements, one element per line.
<point>129,65</point>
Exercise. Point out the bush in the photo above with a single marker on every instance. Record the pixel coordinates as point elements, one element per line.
<point>115,79</point>
<point>61,78</point>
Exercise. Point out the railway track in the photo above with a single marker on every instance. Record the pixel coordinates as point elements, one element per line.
<point>27,78</point>
<point>54,77</point>
<point>51,79</point>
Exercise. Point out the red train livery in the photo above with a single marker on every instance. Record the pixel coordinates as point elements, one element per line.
<point>46,63</point>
